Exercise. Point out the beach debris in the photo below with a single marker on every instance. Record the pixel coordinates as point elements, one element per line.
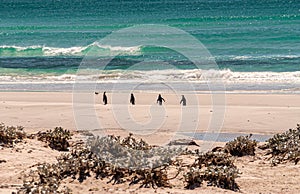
<point>183,142</point>
<point>56,139</point>
<point>216,168</point>
<point>2,161</point>
<point>10,135</point>
<point>241,146</point>
<point>284,146</point>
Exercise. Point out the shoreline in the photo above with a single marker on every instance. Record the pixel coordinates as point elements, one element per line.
<point>241,92</point>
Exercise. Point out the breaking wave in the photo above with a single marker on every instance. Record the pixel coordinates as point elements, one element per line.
<point>170,75</point>
<point>38,50</point>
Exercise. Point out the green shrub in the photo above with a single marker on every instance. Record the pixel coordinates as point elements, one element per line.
<point>285,146</point>
<point>10,135</point>
<point>216,168</point>
<point>241,146</point>
<point>56,139</point>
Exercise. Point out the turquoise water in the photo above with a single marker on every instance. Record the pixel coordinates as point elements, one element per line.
<point>51,37</point>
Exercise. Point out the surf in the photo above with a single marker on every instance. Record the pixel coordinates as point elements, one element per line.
<point>46,51</point>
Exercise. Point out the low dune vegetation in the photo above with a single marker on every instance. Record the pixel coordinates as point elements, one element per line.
<point>116,160</point>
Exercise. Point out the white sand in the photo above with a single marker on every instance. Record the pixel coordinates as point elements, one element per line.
<point>245,113</point>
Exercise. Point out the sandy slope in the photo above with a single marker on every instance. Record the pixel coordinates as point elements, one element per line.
<point>246,113</point>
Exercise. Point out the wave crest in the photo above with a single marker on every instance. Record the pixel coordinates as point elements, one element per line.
<point>39,50</point>
<point>196,75</point>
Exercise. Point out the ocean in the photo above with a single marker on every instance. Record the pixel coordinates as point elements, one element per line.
<point>256,44</point>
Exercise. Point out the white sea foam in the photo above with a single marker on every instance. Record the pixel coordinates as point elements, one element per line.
<point>133,50</point>
<point>257,57</point>
<point>68,51</point>
<point>55,51</point>
<point>96,48</point>
<point>169,75</point>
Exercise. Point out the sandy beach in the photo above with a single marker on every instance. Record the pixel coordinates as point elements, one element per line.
<point>235,62</point>
<point>245,113</point>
